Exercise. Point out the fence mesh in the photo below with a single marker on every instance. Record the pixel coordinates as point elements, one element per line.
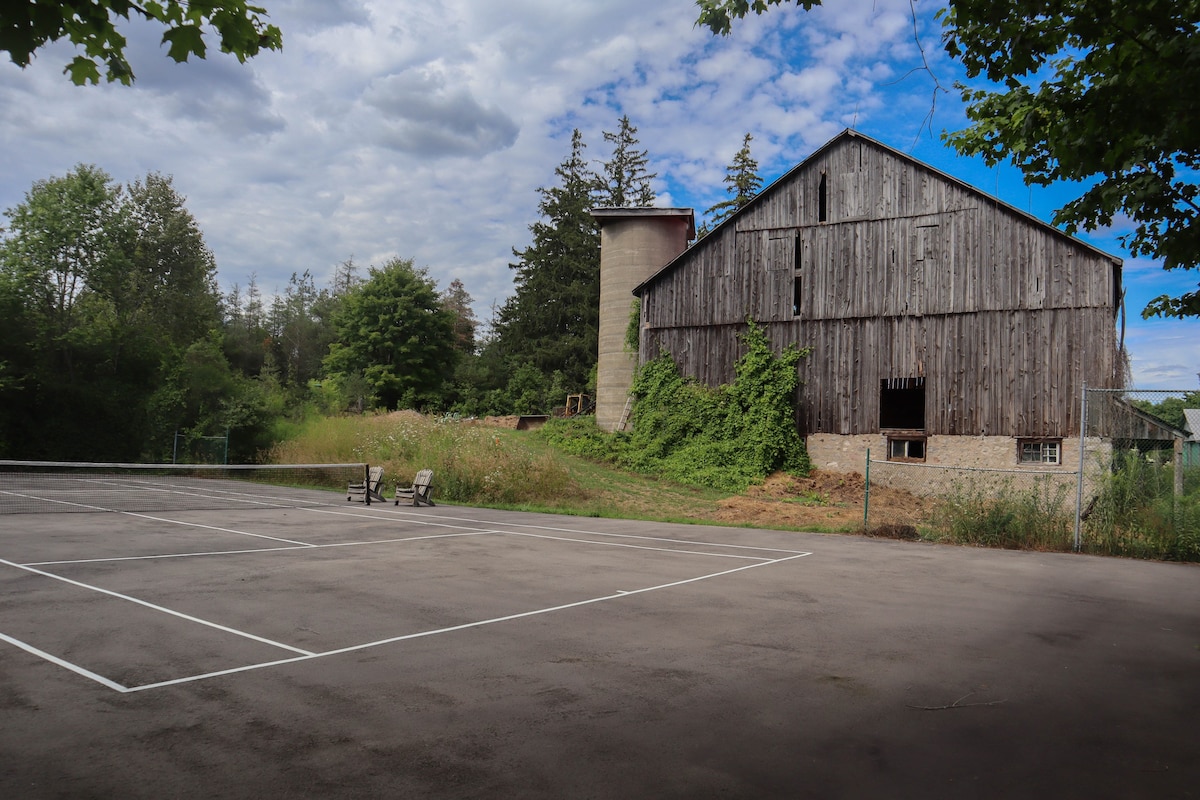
<point>1130,486</point>
<point>993,507</point>
<point>1142,481</point>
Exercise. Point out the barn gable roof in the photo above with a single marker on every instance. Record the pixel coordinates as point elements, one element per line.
<point>766,195</point>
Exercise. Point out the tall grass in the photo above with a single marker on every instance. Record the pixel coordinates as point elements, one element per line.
<point>471,463</point>
<point>1136,513</point>
<point>1031,518</point>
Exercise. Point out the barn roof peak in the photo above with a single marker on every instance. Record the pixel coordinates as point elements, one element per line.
<point>851,134</point>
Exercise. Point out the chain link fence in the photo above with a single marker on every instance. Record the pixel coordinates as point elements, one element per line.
<point>1142,487</point>
<point>1130,486</point>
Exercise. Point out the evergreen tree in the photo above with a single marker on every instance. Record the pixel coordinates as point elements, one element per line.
<point>300,331</point>
<point>741,183</point>
<point>457,301</point>
<point>626,181</point>
<point>552,320</point>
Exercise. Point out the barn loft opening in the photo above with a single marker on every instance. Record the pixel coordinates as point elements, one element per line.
<point>797,282</point>
<point>902,404</point>
<point>823,199</point>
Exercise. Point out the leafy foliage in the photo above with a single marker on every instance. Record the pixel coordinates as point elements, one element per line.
<point>1170,409</point>
<point>1091,92</point>
<point>724,438</point>
<point>1088,91</point>
<point>395,332</point>
<point>92,25</point>
<point>544,340</point>
<point>105,287</point>
<point>718,15</point>
<point>1136,512</point>
<point>457,301</point>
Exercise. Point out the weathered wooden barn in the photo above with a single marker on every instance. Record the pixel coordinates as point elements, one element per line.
<point>945,326</point>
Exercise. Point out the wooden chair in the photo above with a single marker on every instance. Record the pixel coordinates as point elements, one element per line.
<point>421,492</point>
<point>370,491</point>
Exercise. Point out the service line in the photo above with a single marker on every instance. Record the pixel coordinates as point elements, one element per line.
<point>454,628</point>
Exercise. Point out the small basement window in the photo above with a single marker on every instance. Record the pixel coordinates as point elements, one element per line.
<point>1039,451</point>
<point>906,449</point>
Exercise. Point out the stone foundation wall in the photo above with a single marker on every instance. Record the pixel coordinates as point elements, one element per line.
<point>836,453</point>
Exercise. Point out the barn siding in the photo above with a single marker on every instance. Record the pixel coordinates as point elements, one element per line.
<point>911,275</point>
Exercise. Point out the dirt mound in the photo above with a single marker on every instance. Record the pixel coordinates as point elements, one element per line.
<point>825,500</point>
<point>502,422</point>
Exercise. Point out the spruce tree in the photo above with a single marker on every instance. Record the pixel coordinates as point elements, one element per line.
<point>551,322</point>
<point>741,183</point>
<point>626,181</point>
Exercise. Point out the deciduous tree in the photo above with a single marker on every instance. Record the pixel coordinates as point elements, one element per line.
<point>108,286</point>
<point>28,25</point>
<point>394,331</point>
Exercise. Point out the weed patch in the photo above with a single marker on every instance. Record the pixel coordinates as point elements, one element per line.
<point>725,438</point>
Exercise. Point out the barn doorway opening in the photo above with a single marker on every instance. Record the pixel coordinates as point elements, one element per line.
<point>902,404</point>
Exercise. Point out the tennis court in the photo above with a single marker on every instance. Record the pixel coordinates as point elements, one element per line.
<point>293,644</point>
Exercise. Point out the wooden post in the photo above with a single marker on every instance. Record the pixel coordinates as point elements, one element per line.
<point>1178,466</point>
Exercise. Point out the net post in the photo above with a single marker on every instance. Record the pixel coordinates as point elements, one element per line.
<point>367,483</point>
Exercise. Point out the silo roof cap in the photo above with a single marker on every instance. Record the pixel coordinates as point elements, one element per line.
<point>603,214</point>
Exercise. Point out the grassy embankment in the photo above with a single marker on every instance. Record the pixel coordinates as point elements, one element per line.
<point>474,464</point>
<point>488,466</point>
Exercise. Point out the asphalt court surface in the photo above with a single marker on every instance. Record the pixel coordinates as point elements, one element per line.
<point>352,651</point>
<point>248,589</point>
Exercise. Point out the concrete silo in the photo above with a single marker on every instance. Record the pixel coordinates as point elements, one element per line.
<point>635,243</point>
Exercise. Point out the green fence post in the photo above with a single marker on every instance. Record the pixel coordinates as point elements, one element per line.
<point>867,492</point>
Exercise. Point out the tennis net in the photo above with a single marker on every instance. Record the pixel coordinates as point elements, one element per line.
<point>31,487</point>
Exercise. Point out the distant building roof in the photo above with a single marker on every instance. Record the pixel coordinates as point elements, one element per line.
<point>1192,423</point>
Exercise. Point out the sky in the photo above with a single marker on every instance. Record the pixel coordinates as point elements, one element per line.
<point>423,129</point>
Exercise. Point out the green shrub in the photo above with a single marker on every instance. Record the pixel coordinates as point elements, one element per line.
<point>724,438</point>
<point>1137,514</point>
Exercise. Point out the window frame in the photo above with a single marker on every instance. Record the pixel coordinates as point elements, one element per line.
<point>1026,444</point>
<point>907,440</point>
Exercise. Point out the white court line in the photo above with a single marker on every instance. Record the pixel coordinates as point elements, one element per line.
<point>215,528</point>
<point>49,500</point>
<point>257,550</point>
<point>154,607</point>
<point>158,519</point>
<point>53,659</point>
<point>453,628</point>
<point>635,546</point>
<point>209,492</point>
<point>408,514</point>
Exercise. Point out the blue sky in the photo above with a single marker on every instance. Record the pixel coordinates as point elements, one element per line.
<point>423,129</point>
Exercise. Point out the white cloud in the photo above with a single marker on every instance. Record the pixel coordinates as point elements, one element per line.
<point>415,112</point>
<point>422,129</point>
